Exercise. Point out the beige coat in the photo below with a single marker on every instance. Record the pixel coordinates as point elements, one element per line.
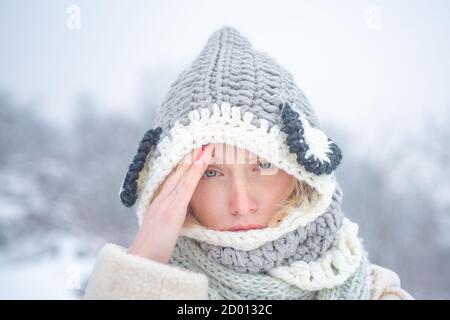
<point>120,275</point>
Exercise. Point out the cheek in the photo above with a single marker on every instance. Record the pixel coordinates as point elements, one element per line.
<point>206,201</point>
<point>273,188</point>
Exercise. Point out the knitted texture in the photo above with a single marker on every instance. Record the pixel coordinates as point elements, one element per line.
<point>233,94</point>
<point>225,283</point>
<point>306,243</point>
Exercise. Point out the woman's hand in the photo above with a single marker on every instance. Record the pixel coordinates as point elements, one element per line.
<point>164,219</point>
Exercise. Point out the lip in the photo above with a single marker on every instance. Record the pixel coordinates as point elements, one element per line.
<point>246,227</point>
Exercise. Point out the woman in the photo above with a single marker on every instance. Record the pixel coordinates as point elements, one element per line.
<point>237,196</point>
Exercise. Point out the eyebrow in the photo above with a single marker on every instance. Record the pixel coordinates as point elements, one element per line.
<point>247,160</point>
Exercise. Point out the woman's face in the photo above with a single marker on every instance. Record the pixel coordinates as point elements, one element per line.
<point>239,189</point>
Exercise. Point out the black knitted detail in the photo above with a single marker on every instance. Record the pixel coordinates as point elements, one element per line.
<point>292,125</point>
<point>128,195</point>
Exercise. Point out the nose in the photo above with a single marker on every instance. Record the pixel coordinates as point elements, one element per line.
<point>241,202</point>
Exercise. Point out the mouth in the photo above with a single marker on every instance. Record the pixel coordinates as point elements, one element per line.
<point>246,227</point>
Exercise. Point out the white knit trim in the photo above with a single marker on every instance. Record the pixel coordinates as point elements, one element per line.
<point>226,125</point>
<point>317,141</point>
<point>316,275</point>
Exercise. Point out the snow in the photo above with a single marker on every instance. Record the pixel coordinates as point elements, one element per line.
<point>57,277</point>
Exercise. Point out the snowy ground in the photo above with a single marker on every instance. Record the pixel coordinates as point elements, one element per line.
<point>60,276</point>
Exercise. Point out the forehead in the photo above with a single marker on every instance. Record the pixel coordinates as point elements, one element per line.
<point>230,154</point>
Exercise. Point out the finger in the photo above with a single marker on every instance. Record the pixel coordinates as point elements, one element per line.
<point>188,183</point>
<point>174,177</point>
<point>200,158</point>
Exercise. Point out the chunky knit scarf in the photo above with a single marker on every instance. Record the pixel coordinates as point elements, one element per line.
<point>322,259</point>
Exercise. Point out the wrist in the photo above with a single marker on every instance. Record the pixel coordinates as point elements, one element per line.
<point>148,252</point>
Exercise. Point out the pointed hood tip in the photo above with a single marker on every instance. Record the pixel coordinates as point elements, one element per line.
<point>228,28</point>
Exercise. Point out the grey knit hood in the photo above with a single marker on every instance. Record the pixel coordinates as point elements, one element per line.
<point>234,94</point>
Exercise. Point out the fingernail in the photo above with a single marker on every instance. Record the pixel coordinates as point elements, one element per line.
<point>199,154</point>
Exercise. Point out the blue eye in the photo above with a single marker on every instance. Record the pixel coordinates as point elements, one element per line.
<point>206,173</point>
<point>266,165</point>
